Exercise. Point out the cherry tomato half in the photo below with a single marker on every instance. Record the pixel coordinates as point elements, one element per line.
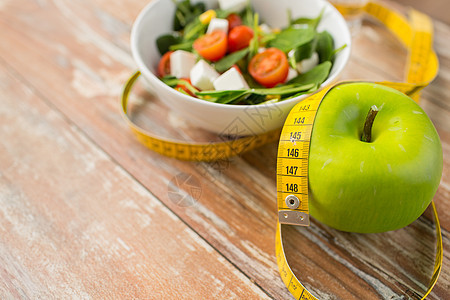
<point>164,64</point>
<point>239,38</point>
<point>211,46</point>
<point>233,21</point>
<point>269,67</point>
<point>237,68</point>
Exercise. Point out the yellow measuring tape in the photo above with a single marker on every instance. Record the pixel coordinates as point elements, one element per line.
<point>417,36</point>
<point>192,151</point>
<point>415,33</point>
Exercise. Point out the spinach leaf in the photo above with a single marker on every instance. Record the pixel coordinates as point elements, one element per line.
<point>284,89</point>
<point>194,29</point>
<point>336,51</point>
<point>187,46</point>
<point>308,21</point>
<point>255,96</point>
<point>173,82</point>
<point>221,14</point>
<point>198,8</point>
<point>254,42</point>
<point>247,15</point>
<point>170,80</point>
<point>292,38</point>
<point>164,42</point>
<point>255,99</point>
<point>301,21</point>
<point>228,61</point>
<point>316,75</point>
<point>225,97</point>
<point>218,94</point>
<point>264,38</point>
<point>249,79</point>
<point>186,13</point>
<point>231,98</point>
<point>186,21</point>
<point>305,51</point>
<point>325,46</point>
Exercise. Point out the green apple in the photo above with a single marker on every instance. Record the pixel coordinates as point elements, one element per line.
<point>379,185</point>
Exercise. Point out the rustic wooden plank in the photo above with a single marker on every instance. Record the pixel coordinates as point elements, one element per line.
<point>74,224</point>
<point>367,261</point>
<point>85,71</point>
<point>71,84</point>
<point>441,84</point>
<point>433,8</point>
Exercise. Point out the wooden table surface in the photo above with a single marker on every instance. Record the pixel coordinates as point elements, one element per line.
<point>88,212</point>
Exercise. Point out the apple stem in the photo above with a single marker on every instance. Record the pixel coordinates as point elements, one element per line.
<point>367,130</point>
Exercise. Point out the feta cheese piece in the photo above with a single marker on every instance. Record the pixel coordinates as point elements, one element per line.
<point>233,5</point>
<point>217,24</point>
<point>203,75</point>
<point>265,28</point>
<point>181,63</point>
<point>230,80</point>
<point>291,53</point>
<point>308,63</point>
<point>292,73</point>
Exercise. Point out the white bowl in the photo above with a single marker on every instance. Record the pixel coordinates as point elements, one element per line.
<point>156,19</point>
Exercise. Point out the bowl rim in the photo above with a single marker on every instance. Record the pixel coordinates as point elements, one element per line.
<point>149,74</point>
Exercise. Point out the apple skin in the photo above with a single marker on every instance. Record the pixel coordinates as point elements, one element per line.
<point>375,186</point>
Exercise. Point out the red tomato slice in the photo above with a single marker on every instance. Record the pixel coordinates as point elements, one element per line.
<point>269,68</point>
<point>164,64</point>
<point>237,68</point>
<point>239,38</point>
<point>233,21</point>
<point>211,46</point>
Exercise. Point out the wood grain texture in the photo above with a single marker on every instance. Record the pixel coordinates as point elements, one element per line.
<point>435,8</point>
<point>70,60</point>
<point>73,224</point>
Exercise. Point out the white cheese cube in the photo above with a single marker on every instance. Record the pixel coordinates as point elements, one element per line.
<point>307,64</point>
<point>203,75</point>
<point>233,5</point>
<point>181,63</point>
<point>265,28</point>
<point>230,80</point>
<point>291,53</point>
<point>291,74</point>
<point>261,49</point>
<point>218,25</point>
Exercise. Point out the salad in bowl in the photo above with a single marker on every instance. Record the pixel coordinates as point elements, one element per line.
<point>218,61</point>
